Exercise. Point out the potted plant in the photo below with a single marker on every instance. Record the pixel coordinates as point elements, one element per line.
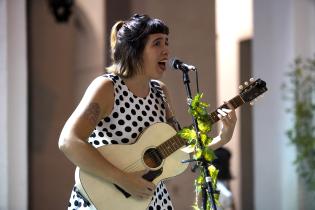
<point>300,90</point>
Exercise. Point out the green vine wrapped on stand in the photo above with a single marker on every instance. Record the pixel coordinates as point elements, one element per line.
<point>200,142</point>
<point>198,110</point>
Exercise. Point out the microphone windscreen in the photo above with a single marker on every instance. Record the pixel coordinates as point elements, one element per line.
<point>174,63</point>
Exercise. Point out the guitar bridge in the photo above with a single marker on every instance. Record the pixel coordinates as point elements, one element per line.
<point>150,176</point>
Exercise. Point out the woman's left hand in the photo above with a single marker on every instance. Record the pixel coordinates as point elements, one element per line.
<point>228,118</point>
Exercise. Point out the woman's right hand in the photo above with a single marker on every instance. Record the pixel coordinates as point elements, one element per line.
<point>136,185</point>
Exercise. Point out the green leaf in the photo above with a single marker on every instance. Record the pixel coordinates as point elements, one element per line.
<point>188,134</point>
<point>196,207</point>
<point>208,154</point>
<point>204,127</point>
<point>200,179</point>
<point>216,198</point>
<point>300,87</point>
<point>205,139</point>
<point>213,174</point>
<point>198,154</point>
<point>195,101</point>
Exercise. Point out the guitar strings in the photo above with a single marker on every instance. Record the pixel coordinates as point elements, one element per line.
<point>133,166</point>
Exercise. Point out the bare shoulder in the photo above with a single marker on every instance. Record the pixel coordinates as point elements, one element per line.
<point>100,92</point>
<point>97,101</point>
<point>101,85</point>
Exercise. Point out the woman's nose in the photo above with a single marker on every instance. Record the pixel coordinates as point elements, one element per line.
<point>166,50</point>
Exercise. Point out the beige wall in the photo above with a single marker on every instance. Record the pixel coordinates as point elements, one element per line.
<point>64,58</point>
<point>13,105</point>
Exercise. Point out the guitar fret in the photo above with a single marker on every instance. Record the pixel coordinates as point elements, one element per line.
<point>236,101</point>
<point>181,142</point>
<point>162,151</point>
<point>176,143</point>
<point>233,102</point>
<point>170,146</point>
<point>168,150</point>
<point>213,117</point>
<point>165,149</point>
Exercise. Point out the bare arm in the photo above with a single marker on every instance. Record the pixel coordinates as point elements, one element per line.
<point>97,102</point>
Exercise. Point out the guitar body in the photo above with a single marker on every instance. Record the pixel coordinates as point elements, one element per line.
<point>130,158</point>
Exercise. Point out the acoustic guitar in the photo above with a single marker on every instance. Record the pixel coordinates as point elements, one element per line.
<point>158,149</point>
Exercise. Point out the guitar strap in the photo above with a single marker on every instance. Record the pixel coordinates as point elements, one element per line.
<point>159,91</point>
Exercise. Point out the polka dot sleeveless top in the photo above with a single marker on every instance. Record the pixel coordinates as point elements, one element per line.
<point>130,115</point>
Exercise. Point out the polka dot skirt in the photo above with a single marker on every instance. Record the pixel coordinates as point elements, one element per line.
<point>130,116</point>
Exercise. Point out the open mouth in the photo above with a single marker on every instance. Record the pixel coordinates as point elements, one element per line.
<point>162,64</point>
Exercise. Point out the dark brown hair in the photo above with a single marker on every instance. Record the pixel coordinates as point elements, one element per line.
<point>128,39</point>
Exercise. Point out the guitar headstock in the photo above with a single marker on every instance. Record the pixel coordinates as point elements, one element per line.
<point>252,89</point>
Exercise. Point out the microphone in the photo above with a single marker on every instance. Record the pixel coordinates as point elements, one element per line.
<point>179,65</point>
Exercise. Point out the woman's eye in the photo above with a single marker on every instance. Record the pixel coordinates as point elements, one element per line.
<point>157,44</point>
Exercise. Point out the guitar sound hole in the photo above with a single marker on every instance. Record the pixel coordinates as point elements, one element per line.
<point>152,158</point>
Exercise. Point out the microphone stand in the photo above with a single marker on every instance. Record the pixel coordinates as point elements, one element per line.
<point>207,187</point>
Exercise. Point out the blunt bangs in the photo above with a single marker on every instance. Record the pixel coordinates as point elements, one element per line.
<point>157,26</point>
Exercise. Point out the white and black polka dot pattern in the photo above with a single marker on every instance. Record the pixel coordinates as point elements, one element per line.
<point>129,117</point>
<point>77,201</point>
<point>161,199</point>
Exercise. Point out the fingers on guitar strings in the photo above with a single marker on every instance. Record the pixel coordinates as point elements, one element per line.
<point>224,114</point>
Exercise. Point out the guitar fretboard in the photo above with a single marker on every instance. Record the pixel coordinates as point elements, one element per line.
<point>235,102</point>
<point>174,143</point>
<point>170,146</point>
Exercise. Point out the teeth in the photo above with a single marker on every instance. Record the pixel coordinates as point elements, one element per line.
<point>163,61</point>
<point>162,64</point>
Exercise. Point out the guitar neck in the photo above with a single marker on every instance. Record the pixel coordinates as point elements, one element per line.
<point>235,102</point>
<point>174,143</point>
<point>170,146</point>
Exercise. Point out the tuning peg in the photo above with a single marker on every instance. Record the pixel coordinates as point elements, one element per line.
<point>251,103</point>
<point>246,83</point>
<point>241,87</point>
<point>251,80</point>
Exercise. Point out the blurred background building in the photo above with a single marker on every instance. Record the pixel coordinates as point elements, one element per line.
<point>45,66</point>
